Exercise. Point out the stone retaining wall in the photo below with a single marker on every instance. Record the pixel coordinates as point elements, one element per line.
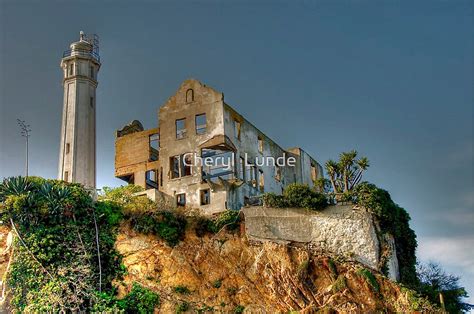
<point>342,230</point>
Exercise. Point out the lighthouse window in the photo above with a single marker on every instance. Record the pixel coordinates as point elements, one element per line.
<point>92,72</point>
<point>71,69</point>
<point>66,175</point>
<point>92,102</point>
<point>67,148</point>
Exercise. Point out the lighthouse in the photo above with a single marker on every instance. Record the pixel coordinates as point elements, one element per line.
<point>77,157</point>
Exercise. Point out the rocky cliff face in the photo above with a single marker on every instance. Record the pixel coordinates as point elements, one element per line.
<point>226,272</point>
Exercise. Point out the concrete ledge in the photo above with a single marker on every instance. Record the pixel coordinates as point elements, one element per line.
<point>341,230</point>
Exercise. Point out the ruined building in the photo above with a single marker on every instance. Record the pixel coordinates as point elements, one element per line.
<point>80,65</point>
<point>196,122</point>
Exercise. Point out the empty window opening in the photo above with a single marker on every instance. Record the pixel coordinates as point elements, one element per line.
<point>217,163</point>
<point>91,102</point>
<point>151,179</point>
<point>186,165</point>
<point>180,128</point>
<point>237,129</point>
<point>154,143</point>
<point>242,168</point>
<point>181,199</point>
<point>189,95</point>
<point>71,69</point>
<point>261,181</point>
<point>66,176</point>
<point>180,166</point>
<point>254,176</point>
<point>201,123</point>
<point>205,197</point>
<point>174,167</point>
<point>277,173</point>
<point>314,172</point>
<point>68,147</point>
<point>260,144</point>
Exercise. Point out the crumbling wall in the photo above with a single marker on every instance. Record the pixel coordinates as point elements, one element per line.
<point>341,230</point>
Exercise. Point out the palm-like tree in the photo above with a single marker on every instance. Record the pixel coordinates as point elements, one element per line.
<point>346,173</point>
<point>332,168</point>
<point>346,164</point>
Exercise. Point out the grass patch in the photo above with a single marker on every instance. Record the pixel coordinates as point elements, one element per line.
<point>369,278</point>
<point>340,284</point>
<point>217,283</point>
<point>181,289</point>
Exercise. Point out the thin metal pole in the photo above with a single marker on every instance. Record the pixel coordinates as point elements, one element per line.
<point>27,156</point>
<point>25,132</point>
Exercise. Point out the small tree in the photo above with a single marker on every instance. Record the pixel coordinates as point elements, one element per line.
<point>346,173</point>
<point>442,288</point>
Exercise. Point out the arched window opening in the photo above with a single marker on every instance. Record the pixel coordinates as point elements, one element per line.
<point>189,95</point>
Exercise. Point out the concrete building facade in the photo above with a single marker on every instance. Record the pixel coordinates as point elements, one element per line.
<point>195,124</point>
<point>77,157</point>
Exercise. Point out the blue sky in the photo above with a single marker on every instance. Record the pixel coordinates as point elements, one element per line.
<point>392,79</point>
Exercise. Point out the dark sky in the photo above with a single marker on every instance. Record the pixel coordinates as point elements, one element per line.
<point>392,79</point>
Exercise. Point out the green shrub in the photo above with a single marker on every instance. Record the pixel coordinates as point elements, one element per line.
<point>340,284</point>
<point>217,283</point>
<point>56,221</point>
<point>274,200</point>
<point>332,269</point>
<point>369,278</point>
<point>302,270</point>
<point>169,226</point>
<point>229,219</point>
<point>121,195</point>
<point>182,307</point>
<point>297,195</point>
<point>239,309</point>
<point>182,289</point>
<point>203,225</point>
<point>394,220</point>
<point>140,299</point>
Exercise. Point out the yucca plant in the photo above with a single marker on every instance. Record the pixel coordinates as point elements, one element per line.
<point>14,186</point>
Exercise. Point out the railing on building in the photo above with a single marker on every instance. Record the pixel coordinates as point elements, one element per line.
<point>81,53</point>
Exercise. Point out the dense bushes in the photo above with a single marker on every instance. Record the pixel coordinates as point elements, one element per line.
<point>394,220</point>
<point>139,300</point>
<point>146,216</point>
<point>297,195</point>
<point>167,225</point>
<point>229,219</point>
<point>55,266</point>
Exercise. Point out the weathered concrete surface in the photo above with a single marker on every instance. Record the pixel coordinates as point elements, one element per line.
<point>77,158</point>
<point>340,230</point>
<point>228,191</point>
<point>392,261</point>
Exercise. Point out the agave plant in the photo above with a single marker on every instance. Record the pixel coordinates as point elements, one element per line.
<point>14,186</point>
<point>55,197</point>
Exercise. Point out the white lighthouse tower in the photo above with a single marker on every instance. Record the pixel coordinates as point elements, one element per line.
<point>77,159</point>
